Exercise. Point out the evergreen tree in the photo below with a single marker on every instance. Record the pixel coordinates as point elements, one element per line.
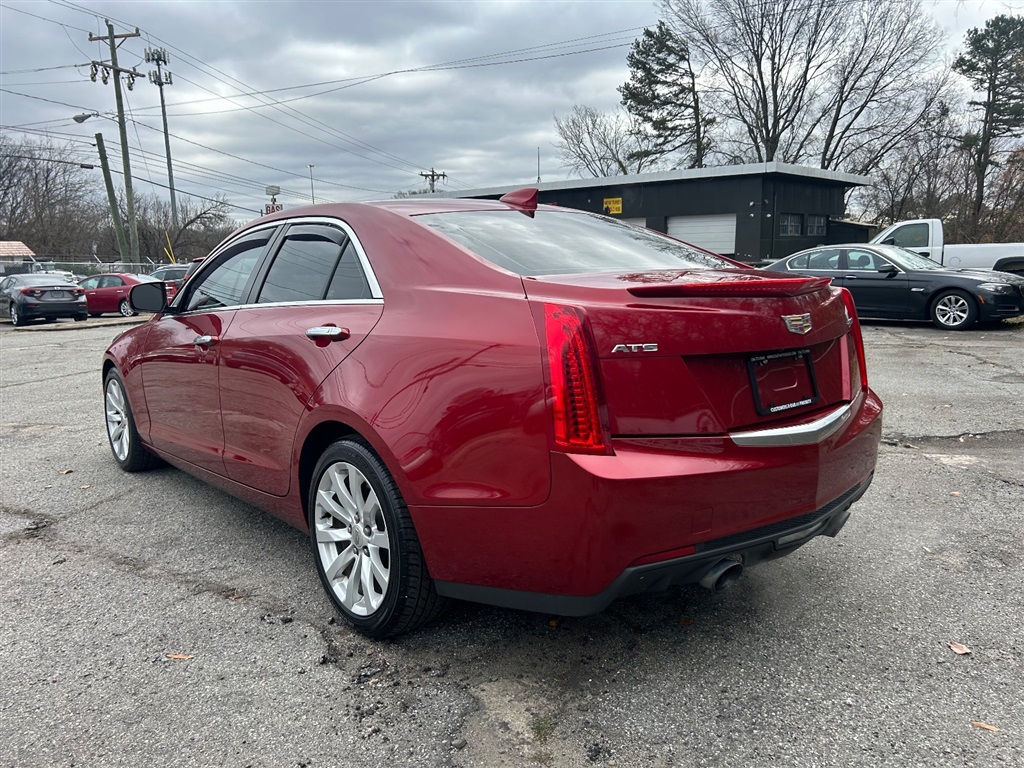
<point>993,62</point>
<point>662,95</point>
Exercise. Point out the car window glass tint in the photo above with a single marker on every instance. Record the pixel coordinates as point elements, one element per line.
<point>303,267</point>
<point>860,261</point>
<point>559,243</point>
<point>799,262</point>
<point>349,282</point>
<point>224,285</point>
<point>911,236</point>
<point>824,259</point>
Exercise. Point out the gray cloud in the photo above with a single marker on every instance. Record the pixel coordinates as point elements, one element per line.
<point>481,124</point>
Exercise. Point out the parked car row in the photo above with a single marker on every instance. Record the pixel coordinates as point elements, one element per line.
<point>55,295</point>
<point>887,281</point>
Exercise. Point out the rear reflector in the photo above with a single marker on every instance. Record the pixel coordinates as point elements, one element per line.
<point>576,406</point>
<point>753,286</point>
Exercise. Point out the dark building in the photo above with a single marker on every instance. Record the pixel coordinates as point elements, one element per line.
<point>750,212</point>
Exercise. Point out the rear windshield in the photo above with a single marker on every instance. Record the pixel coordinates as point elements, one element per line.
<point>44,279</point>
<point>563,243</point>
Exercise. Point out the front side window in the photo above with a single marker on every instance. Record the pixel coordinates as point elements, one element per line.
<point>790,224</point>
<point>564,243</point>
<point>861,261</point>
<point>226,283</point>
<point>911,236</point>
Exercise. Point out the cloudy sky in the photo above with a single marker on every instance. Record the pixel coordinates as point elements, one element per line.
<point>369,92</point>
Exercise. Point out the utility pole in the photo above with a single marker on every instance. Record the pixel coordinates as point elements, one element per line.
<point>433,176</point>
<point>160,78</point>
<point>115,214</point>
<point>111,38</point>
<point>311,196</point>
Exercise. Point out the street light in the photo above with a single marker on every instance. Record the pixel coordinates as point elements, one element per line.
<point>85,116</point>
<point>311,196</point>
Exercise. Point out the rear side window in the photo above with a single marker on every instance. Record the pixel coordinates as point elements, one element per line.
<point>561,243</point>
<point>314,262</point>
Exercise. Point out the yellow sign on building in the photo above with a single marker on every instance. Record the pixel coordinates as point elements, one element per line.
<point>613,205</point>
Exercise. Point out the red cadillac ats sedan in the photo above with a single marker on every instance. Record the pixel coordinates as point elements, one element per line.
<point>520,405</point>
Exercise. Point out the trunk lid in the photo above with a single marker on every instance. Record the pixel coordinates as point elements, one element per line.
<point>690,352</point>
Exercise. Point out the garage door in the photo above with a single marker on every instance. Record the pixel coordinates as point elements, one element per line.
<point>641,222</point>
<point>716,233</point>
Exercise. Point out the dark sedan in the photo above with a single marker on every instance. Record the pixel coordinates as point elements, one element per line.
<point>41,296</point>
<point>891,282</point>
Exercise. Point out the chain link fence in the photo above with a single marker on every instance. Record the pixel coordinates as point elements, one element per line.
<point>78,269</point>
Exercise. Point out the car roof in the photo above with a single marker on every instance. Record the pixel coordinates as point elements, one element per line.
<point>406,207</point>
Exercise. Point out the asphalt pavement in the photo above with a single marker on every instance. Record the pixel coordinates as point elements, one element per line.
<point>149,619</point>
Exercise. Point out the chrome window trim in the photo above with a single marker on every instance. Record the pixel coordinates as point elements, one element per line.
<point>377,296</point>
<point>317,303</point>
<point>803,434</point>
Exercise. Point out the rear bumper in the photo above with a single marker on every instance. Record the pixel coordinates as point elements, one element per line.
<point>53,310</point>
<point>660,511</point>
<point>749,548</point>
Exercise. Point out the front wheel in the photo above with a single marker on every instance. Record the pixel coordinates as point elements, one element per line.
<point>129,453</point>
<point>954,311</point>
<point>365,546</point>
<point>126,309</point>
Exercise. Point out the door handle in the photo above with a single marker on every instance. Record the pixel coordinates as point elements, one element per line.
<point>329,332</point>
<point>849,277</point>
<point>205,341</point>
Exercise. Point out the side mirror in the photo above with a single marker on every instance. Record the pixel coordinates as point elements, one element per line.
<point>889,241</point>
<point>148,297</point>
<point>888,269</point>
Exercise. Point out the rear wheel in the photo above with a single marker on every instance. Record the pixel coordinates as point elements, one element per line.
<point>128,450</point>
<point>365,546</point>
<point>16,318</point>
<point>953,311</point>
<point>125,308</point>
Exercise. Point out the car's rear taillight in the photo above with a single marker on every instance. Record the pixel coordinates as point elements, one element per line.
<point>35,293</point>
<point>858,339</point>
<point>579,423</point>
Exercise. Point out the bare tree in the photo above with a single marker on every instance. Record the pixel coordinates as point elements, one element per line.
<point>203,224</point>
<point>47,200</point>
<point>599,144</point>
<point>792,80</point>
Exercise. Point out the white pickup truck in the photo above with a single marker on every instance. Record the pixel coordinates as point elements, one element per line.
<point>924,236</point>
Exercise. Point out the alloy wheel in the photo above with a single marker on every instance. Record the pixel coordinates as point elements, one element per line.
<point>117,420</point>
<point>952,310</point>
<point>352,539</point>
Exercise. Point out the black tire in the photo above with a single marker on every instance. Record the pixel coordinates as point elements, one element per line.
<point>122,436</point>
<point>126,309</point>
<point>380,548</point>
<point>12,312</point>
<point>953,310</point>
<point>95,314</point>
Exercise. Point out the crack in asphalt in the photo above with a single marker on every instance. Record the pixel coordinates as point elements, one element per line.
<point>32,382</point>
<point>979,358</point>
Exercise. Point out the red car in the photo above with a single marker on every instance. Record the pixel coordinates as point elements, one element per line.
<point>496,401</point>
<point>108,292</point>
